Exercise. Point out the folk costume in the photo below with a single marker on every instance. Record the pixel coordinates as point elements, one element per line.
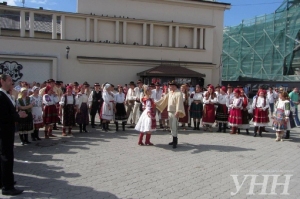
<point>196,108</point>
<point>245,114</point>
<point>292,119</point>
<point>164,114</point>
<point>260,109</point>
<point>131,97</point>
<point>222,110</point>
<point>156,96</point>
<point>120,114</point>
<point>186,105</point>
<point>95,103</point>
<point>281,117</point>
<point>209,101</point>
<point>50,115</point>
<point>82,115</point>
<point>147,121</point>
<point>137,104</point>
<point>69,105</point>
<point>235,112</point>
<point>174,103</point>
<point>107,109</point>
<point>37,113</point>
<point>25,124</point>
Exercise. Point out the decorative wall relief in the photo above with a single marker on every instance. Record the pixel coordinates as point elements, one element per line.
<point>12,68</point>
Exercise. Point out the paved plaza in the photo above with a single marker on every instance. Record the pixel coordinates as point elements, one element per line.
<point>112,165</point>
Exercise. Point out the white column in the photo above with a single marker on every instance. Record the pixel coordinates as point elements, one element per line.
<point>177,37</point>
<point>87,29</point>
<point>95,30</point>
<point>117,38</point>
<point>144,34</point>
<point>125,32</point>
<point>31,24</point>
<point>63,27</point>
<point>195,38</point>
<point>54,29</point>
<point>22,23</point>
<point>151,34</point>
<point>170,36</point>
<point>201,39</point>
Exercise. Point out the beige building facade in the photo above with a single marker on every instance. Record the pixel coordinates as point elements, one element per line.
<point>112,41</point>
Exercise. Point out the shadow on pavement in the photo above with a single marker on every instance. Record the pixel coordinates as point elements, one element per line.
<point>201,148</point>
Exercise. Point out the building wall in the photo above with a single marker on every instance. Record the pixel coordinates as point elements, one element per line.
<point>188,19</point>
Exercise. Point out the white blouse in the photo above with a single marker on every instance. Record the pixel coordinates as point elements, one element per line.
<point>37,101</point>
<point>70,100</point>
<point>223,99</point>
<point>81,98</point>
<point>197,97</point>
<point>206,101</point>
<point>148,105</point>
<point>260,103</point>
<point>237,103</point>
<point>282,105</point>
<point>49,100</point>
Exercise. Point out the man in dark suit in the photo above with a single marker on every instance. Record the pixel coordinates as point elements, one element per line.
<point>8,117</point>
<point>95,103</point>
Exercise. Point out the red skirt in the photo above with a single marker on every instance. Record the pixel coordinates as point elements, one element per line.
<point>185,119</point>
<point>209,114</point>
<point>261,116</point>
<point>50,114</point>
<point>164,114</point>
<point>235,117</point>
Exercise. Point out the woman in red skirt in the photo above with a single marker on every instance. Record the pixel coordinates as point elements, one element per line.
<point>235,113</point>
<point>50,113</point>
<point>186,104</point>
<point>260,109</point>
<point>209,101</point>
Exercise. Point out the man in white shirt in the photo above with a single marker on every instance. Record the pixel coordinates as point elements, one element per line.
<point>131,97</point>
<point>136,109</point>
<point>156,96</point>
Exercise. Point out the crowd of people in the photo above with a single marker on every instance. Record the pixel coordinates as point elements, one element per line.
<point>146,108</point>
<point>224,106</point>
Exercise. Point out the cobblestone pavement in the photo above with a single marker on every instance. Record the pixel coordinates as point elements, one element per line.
<point>112,165</point>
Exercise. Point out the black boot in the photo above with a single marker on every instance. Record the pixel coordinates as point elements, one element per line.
<point>22,139</point>
<point>117,126</point>
<point>84,128</point>
<point>171,143</point>
<point>224,127</point>
<point>287,134</point>
<point>123,125</point>
<point>37,134</point>
<point>220,127</point>
<point>33,136</point>
<point>26,139</point>
<point>239,131</point>
<point>175,142</point>
<point>107,126</point>
<point>195,127</point>
<point>260,131</point>
<point>104,126</point>
<point>198,125</point>
<point>247,131</point>
<point>80,128</point>
<point>93,121</point>
<point>255,131</point>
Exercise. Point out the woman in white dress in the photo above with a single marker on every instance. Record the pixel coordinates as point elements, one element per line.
<point>37,113</point>
<point>281,116</point>
<point>108,107</point>
<point>147,121</point>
